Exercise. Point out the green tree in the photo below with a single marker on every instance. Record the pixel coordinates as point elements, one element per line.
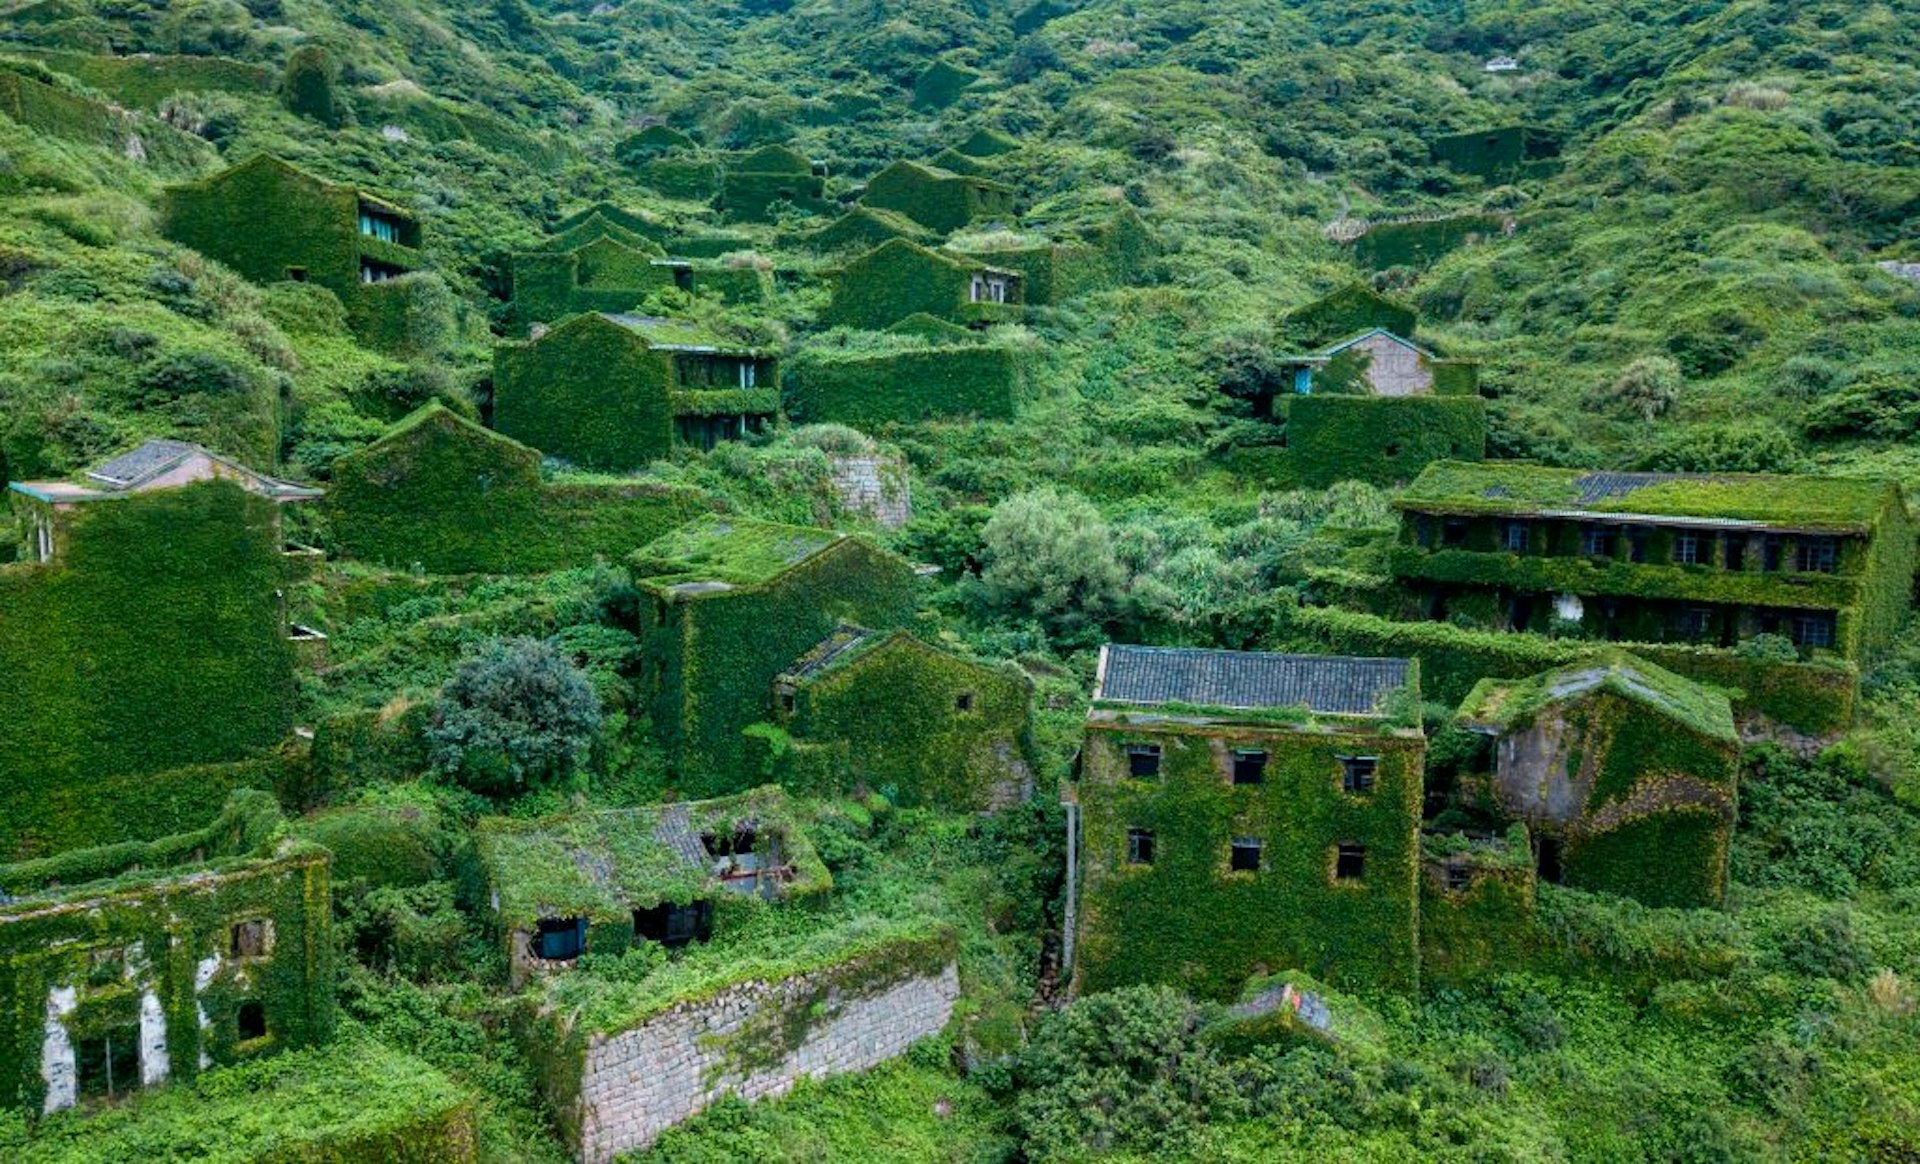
<point>1050,554</point>
<point>516,714</point>
<point>307,86</point>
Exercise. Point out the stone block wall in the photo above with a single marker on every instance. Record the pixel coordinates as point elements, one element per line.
<point>638,1083</point>
<point>875,487</point>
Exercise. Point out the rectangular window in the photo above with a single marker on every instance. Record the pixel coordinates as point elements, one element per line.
<point>1686,549</point>
<point>560,939</point>
<point>1692,623</point>
<point>1816,555</point>
<point>1243,856</point>
<point>1143,761</point>
<point>1453,532</point>
<point>250,1022</point>
<point>1773,553</point>
<point>963,702</point>
<point>1814,629</point>
<point>1350,862</point>
<point>250,939</point>
<point>1513,535</point>
<point>1736,555</point>
<point>107,1064</point>
<point>1637,544</point>
<point>1459,878</point>
<point>1357,772</point>
<point>674,925</point>
<point>1139,846</point>
<point>1596,541</point>
<point>1249,767</point>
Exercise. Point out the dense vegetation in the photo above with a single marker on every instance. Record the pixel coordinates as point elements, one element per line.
<point>1693,285</point>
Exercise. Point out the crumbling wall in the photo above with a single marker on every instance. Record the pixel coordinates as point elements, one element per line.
<point>874,487</point>
<point>641,1082</point>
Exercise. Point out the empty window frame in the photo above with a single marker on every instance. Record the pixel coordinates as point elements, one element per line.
<point>1453,532</point>
<point>1692,624</point>
<point>1513,537</point>
<point>1143,761</point>
<point>1637,543</point>
<point>673,925</point>
<point>560,939</point>
<point>1139,846</point>
<point>1357,773</point>
<point>1812,629</point>
<point>250,939</point>
<point>1249,766</point>
<point>963,702</point>
<point>1349,862</point>
<point>1773,552</point>
<point>1816,555</point>
<point>107,1064</point>
<point>1596,541</point>
<point>1243,855</point>
<point>250,1021</point>
<point>1686,548</point>
<point>1735,557</point>
<point>1459,878</point>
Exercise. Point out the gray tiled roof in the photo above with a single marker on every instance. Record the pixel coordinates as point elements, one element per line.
<point>1326,684</point>
<point>674,829</point>
<point>1596,487</point>
<point>149,460</point>
<point>845,637</point>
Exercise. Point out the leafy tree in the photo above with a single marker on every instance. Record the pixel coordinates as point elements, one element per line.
<point>1648,388</point>
<point>1050,554</point>
<point>516,714</point>
<point>307,86</point>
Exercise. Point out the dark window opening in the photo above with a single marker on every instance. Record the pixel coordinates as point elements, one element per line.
<point>248,939</point>
<point>297,274</point>
<point>1244,855</point>
<point>108,1064</point>
<point>1143,760</point>
<point>1392,450</point>
<point>1453,532</point>
<point>1816,555</point>
<point>731,844</point>
<point>1139,846</point>
<point>1513,536</point>
<point>1636,545</point>
<point>1357,773</point>
<point>1350,863</point>
<point>1692,623</point>
<point>1249,767</point>
<point>683,278</point>
<point>1546,859</point>
<point>1596,541</point>
<point>560,939</point>
<point>1459,878</point>
<point>672,925</point>
<point>1812,630</point>
<point>786,701</point>
<point>1773,553</point>
<point>963,702</point>
<point>1736,557</point>
<point>251,1022</point>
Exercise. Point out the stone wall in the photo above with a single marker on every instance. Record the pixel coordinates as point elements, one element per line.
<point>874,487</point>
<point>641,1082</point>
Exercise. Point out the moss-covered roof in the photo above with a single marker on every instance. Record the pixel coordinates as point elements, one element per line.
<point>1502,705</point>
<point>434,412</point>
<point>985,143</point>
<point>680,335</point>
<point>609,863</point>
<point>1832,504</point>
<point>717,553</point>
<point>922,172</point>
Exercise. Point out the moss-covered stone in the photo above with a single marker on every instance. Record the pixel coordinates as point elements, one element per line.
<point>900,278</point>
<point>939,200</point>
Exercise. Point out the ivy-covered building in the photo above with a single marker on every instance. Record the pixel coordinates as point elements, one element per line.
<point>728,604</point>
<point>1245,813</point>
<point>862,228</point>
<point>617,269</point>
<point>125,967</point>
<point>607,391</point>
<point>895,714</point>
<point>1499,154</point>
<point>164,570</point>
<point>901,278</point>
<point>1350,310</point>
<point>602,882</point>
<point>1379,363</point>
<point>939,200</point>
<point>440,493</point>
<point>939,380</point>
<point>754,183</point>
<point>272,221</point>
<point>1624,774</point>
<point>1710,560</point>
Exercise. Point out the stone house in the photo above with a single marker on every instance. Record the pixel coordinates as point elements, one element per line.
<point>602,263</point>
<point>862,228</point>
<point>727,605</point>
<point>124,967</point>
<point>1624,774</point>
<point>752,184</point>
<point>893,713</point>
<point>1500,154</point>
<point>613,392</point>
<point>271,221</point>
<point>1707,560</point>
<point>1379,363</point>
<point>939,200</point>
<point>604,881</point>
<point>1239,813</point>
<point>901,278</point>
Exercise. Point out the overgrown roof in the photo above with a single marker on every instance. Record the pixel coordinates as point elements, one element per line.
<point>717,553</point>
<point>680,335</point>
<point>610,862</point>
<point>137,469</point>
<point>1248,680</point>
<point>435,412</point>
<point>1502,705</point>
<point>1819,504</point>
<point>270,161</point>
<point>926,173</point>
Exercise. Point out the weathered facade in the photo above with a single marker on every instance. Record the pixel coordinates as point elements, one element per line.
<point>613,392</point>
<point>1248,813</point>
<point>900,278</point>
<point>125,967</point>
<point>1380,363</point>
<point>939,200</point>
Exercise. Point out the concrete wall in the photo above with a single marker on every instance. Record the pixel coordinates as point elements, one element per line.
<point>1395,369</point>
<point>641,1082</point>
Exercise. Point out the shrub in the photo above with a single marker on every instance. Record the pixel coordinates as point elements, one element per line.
<point>1049,553</point>
<point>307,86</point>
<point>1648,388</point>
<point>515,714</point>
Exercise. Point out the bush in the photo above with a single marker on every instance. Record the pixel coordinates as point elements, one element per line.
<point>516,714</point>
<point>1050,554</point>
<point>1648,388</point>
<point>307,86</point>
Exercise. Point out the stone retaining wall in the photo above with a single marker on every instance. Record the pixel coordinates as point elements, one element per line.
<point>639,1083</point>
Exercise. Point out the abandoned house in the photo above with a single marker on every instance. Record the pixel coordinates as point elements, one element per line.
<point>754,183</point>
<point>939,200</point>
<point>862,228</point>
<point>604,881</point>
<point>614,392</point>
<point>727,605</point>
<point>155,465</point>
<point>1379,363</point>
<point>615,270</point>
<point>271,221</point>
<point>1241,813</point>
<point>901,278</point>
<point>1500,154</point>
<point>128,966</point>
<point>1353,309</point>
<point>1624,774</point>
<point>1710,560</point>
<point>892,713</point>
